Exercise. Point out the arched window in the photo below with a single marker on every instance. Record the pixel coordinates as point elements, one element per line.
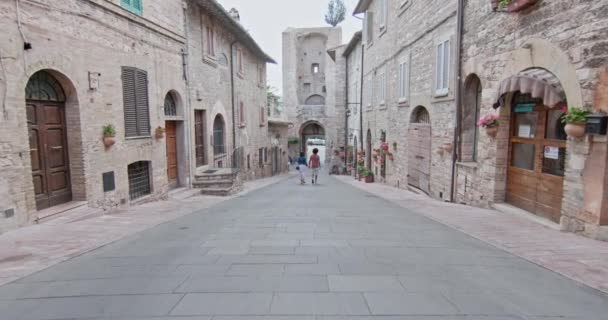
<point>219,136</point>
<point>470,113</point>
<point>170,105</point>
<point>421,115</point>
<point>315,100</point>
<point>42,86</point>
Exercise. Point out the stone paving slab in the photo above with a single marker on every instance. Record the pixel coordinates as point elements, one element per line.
<point>30,249</point>
<point>574,256</point>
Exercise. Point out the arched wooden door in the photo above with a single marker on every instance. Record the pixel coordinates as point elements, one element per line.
<point>45,109</point>
<point>419,150</point>
<point>171,140</point>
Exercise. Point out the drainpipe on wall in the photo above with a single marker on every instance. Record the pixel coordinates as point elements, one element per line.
<point>233,94</point>
<point>455,146</point>
<point>188,107</point>
<point>346,111</point>
<point>361,98</point>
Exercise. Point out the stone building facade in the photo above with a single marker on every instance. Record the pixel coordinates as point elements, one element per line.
<point>353,55</point>
<point>313,98</point>
<point>227,80</point>
<point>568,51</point>
<point>405,106</point>
<point>511,67</point>
<point>70,68</point>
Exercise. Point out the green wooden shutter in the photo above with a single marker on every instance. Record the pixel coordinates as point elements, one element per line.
<point>141,96</point>
<point>134,6</point>
<point>130,104</point>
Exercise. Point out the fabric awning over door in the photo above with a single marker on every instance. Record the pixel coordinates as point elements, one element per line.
<point>539,83</point>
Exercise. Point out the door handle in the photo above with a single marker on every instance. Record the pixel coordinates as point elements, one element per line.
<point>56,148</point>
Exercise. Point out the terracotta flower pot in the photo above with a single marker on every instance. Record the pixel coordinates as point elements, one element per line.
<point>492,131</point>
<point>519,5</point>
<point>575,130</point>
<point>109,141</point>
<point>160,135</point>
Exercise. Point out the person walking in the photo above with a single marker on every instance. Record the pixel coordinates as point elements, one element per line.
<point>302,166</point>
<point>315,164</point>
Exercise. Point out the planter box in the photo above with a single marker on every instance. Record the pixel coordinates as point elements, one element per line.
<point>514,6</point>
<point>369,179</point>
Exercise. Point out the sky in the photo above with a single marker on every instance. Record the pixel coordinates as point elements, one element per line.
<point>267,19</point>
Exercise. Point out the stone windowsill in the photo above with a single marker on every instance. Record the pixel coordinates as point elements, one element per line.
<point>403,103</point>
<point>210,60</point>
<point>467,164</point>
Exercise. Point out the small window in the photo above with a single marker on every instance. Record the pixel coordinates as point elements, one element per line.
<point>135,99</point>
<point>261,157</point>
<point>239,60</point>
<point>139,179</point>
<point>261,75</point>
<point>315,68</point>
<point>443,68</point>
<point>262,116</point>
<point>170,106</point>
<point>242,115</point>
<point>307,88</point>
<point>368,28</point>
<point>134,6</point>
<point>403,81</point>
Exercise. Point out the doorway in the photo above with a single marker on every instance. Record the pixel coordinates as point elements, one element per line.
<point>419,147</point>
<point>368,150</point>
<point>45,109</point>
<point>171,140</point>
<point>537,157</point>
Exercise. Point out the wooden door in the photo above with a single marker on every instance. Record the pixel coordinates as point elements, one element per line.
<point>171,140</point>
<point>419,160</point>
<point>200,137</point>
<point>537,156</point>
<point>49,154</point>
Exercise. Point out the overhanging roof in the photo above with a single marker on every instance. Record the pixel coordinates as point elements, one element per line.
<point>352,44</point>
<point>217,11</point>
<point>362,6</point>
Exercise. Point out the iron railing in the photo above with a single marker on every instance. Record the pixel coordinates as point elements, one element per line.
<point>233,159</point>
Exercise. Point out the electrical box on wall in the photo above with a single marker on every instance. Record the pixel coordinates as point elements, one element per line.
<point>596,124</point>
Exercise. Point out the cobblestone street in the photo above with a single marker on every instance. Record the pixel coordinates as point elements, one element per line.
<point>329,251</point>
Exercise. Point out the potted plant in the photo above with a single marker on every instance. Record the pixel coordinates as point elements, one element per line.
<point>160,132</point>
<point>575,119</point>
<point>109,135</point>
<point>368,176</point>
<point>490,123</point>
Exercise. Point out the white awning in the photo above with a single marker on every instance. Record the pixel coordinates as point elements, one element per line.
<point>539,83</point>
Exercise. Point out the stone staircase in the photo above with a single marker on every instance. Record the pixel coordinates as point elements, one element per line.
<point>217,182</point>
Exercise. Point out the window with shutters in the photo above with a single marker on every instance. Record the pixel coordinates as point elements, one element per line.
<point>209,41</point>
<point>134,6</point>
<point>239,61</point>
<point>135,99</point>
<point>382,89</point>
<point>370,91</point>
<point>261,75</point>
<point>368,28</point>
<point>404,81</point>
<point>242,115</point>
<point>262,116</point>
<point>469,131</point>
<point>261,157</point>
<point>442,67</point>
<point>383,14</point>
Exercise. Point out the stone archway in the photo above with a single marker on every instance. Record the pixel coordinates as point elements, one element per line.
<point>311,130</point>
<point>55,141</point>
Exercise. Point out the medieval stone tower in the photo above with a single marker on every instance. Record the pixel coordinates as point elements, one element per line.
<point>311,92</point>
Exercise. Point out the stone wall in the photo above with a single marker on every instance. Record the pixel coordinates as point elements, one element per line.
<point>410,36</point>
<point>567,38</point>
<point>71,39</point>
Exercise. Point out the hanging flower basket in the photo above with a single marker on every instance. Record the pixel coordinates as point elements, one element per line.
<point>490,123</point>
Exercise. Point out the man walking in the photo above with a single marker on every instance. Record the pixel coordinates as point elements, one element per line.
<point>315,164</point>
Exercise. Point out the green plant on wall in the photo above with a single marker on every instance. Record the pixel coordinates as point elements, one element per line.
<point>293,140</point>
<point>575,115</point>
<point>504,3</point>
<point>109,130</point>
